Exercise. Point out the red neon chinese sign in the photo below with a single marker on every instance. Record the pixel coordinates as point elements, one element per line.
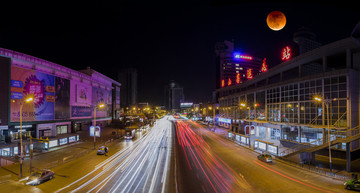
<point>229,82</point>
<point>249,74</point>
<point>286,53</point>
<point>237,78</point>
<point>222,83</point>
<point>264,66</point>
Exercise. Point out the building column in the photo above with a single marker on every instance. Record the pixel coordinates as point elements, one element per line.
<point>348,157</point>
<point>299,134</point>
<point>348,58</point>
<point>324,63</point>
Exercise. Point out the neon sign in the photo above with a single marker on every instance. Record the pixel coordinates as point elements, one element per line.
<point>264,66</point>
<point>286,53</point>
<point>237,78</point>
<point>238,56</point>
<point>222,83</point>
<point>249,74</point>
<point>229,82</point>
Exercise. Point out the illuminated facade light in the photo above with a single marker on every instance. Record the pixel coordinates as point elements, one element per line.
<point>264,66</point>
<point>286,53</point>
<point>222,83</point>
<point>249,74</point>
<point>229,82</point>
<point>237,78</point>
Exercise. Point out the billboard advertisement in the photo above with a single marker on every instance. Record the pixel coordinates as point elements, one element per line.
<point>100,95</point>
<point>81,111</point>
<point>62,98</point>
<point>25,82</point>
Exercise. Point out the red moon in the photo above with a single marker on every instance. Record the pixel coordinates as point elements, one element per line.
<point>276,20</point>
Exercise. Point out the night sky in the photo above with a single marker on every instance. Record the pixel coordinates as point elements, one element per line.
<point>163,41</point>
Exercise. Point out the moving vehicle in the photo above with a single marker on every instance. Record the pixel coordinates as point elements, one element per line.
<point>37,178</point>
<point>103,150</point>
<point>129,133</point>
<point>265,157</point>
<point>353,184</point>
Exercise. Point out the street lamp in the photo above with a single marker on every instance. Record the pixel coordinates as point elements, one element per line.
<point>28,99</point>
<point>100,106</point>
<point>326,101</point>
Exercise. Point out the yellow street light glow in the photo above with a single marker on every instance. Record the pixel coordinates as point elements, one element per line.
<point>29,99</point>
<point>243,104</point>
<point>210,108</point>
<point>101,105</point>
<point>317,99</point>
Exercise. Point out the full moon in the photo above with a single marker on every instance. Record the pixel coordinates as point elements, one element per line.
<point>276,20</point>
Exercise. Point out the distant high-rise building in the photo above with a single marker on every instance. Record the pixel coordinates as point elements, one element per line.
<point>233,67</point>
<point>174,95</point>
<point>306,40</point>
<point>128,79</point>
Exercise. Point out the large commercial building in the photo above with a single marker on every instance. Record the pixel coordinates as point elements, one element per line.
<point>64,99</point>
<point>287,105</point>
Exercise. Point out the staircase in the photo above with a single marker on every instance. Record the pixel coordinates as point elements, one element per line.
<point>336,137</point>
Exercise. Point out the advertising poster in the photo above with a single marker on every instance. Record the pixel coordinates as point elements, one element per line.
<point>100,95</point>
<point>83,95</point>
<point>29,82</point>
<point>62,98</point>
<point>81,111</point>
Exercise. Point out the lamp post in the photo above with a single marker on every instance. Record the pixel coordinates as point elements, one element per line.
<point>25,100</point>
<point>100,106</point>
<point>326,101</point>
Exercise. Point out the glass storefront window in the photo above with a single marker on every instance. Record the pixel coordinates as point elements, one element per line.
<point>290,133</point>
<point>61,129</point>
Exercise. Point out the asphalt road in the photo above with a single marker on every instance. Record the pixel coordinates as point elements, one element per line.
<point>208,162</point>
<point>138,165</point>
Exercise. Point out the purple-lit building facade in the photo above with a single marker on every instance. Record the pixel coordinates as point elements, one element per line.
<point>64,99</point>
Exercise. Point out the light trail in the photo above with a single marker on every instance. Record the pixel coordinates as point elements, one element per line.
<point>219,176</point>
<point>290,178</point>
<point>140,167</point>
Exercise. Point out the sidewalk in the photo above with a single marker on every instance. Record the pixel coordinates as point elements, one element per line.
<point>59,155</point>
<point>337,174</point>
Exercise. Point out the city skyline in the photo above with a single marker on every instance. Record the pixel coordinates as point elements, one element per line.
<point>107,38</point>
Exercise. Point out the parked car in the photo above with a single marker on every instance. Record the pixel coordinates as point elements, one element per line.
<point>353,184</point>
<point>37,178</point>
<point>103,150</point>
<point>265,157</point>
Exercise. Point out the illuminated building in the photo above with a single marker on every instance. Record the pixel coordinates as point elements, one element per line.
<point>64,99</point>
<point>229,64</point>
<point>286,113</point>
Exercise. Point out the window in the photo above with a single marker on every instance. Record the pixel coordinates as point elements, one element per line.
<point>61,129</point>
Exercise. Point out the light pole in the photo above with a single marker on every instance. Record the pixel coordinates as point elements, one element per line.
<point>100,106</point>
<point>26,100</point>
<point>326,101</point>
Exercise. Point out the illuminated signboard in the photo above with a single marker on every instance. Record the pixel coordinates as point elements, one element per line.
<point>186,105</point>
<point>72,139</point>
<point>53,143</point>
<point>264,66</point>
<point>97,131</point>
<point>249,74</point>
<point>238,56</point>
<point>237,78</point>
<point>222,83</point>
<point>223,120</point>
<point>286,53</point>
<point>229,82</point>
<point>63,141</point>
